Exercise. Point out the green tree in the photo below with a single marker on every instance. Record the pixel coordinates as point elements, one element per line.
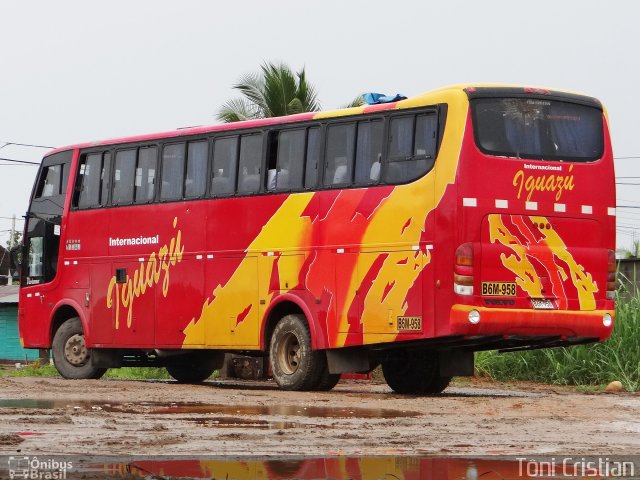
<point>273,92</point>
<point>17,237</point>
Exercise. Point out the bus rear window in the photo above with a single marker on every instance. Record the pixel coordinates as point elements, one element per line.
<point>538,129</point>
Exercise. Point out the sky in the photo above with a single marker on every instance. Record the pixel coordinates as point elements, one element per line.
<point>75,71</point>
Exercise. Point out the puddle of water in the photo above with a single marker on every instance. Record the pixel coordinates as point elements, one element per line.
<point>361,467</point>
<point>199,408</point>
<point>233,422</point>
<point>286,410</point>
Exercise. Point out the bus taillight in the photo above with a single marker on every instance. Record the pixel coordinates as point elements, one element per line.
<point>463,270</point>
<point>611,276</point>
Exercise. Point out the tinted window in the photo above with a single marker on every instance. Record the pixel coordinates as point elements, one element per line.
<point>172,172</point>
<point>425,137</point>
<point>401,137</point>
<point>339,155</point>
<point>540,129</point>
<point>145,175</point>
<point>50,181</point>
<point>123,177</point>
<point>313,158</point>
<point>412,147</point>
<point>196,179</point>
<point>225,158</point>
<point>290,161</point>
<point>250,161</point>
<point>369,151</point>
<point>89,180</point>
<point>105,178</point>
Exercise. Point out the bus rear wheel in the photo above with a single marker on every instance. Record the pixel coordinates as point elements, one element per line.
<point>193,368</point>
<point>414,374</point>
<point>294,364</point>
<point>326,380</point>
<point>71,356</point>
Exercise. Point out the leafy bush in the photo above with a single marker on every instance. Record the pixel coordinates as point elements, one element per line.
<point>616,359</point>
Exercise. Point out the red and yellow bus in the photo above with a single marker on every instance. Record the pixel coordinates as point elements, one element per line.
<point>407,234</point>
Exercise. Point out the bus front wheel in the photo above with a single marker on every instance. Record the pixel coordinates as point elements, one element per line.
<point>71,356</point>
<point>295,365</point>
<point>416,374</point>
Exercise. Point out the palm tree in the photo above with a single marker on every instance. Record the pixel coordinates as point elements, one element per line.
<point>275,91</point>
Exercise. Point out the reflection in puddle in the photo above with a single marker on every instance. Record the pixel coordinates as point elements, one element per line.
<point>363,468</point>
<point>199,408</point>
<point>235,422</point>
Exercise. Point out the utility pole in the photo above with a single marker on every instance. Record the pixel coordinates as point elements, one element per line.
<point>13,231</point>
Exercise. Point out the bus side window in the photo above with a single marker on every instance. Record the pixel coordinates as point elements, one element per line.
<point>172,172</point>
<point>145,175</point>
<point>339,155</point>
<point>225,161</point>
<point>412,142</point>
<point>290,161</point>
<point>123,177</point>
<point>196,177</point>
<point>369,151</point>
<point>250,160</point>
<point>89,181</point>
<point>313,158</point>
<point>105,178</point>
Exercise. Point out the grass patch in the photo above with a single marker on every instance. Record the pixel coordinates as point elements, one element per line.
<point>125,373</point>
<point>596,364</point>
<point>137,373</point>
<point>30,370</point>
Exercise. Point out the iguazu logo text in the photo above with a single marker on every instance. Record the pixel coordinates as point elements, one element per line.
<point>149,274</point>
<point>542,183</point>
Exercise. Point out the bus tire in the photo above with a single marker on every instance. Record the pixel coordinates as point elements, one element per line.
<point>326,380</point>
<point>71,357</point>
<point>192,368</point>
<point>417,374</point>
<point>294,364</point>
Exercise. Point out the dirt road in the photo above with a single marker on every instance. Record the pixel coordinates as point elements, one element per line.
<point>53,416</point>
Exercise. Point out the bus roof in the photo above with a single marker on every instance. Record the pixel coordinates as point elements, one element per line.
<point>427,97</point>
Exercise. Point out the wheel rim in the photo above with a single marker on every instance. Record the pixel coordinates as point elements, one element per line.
<point>288,354</point>
<point>75,350</point>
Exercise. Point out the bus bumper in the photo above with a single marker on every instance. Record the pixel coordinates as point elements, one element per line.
<point>529,322</point>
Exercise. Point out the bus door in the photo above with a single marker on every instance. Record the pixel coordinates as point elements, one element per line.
<point>42,237</point>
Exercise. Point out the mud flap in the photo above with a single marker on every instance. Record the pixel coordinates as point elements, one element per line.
<point>456,363</point>
<point>348,360</point>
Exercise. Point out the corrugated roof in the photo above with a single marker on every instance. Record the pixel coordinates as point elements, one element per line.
<point>9,294</point>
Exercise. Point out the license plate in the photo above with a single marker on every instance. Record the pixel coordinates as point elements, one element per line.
<point>410,323</point>
<point>498,289</point>
<point>542,303</point>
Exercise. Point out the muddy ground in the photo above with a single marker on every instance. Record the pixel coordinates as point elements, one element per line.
<point>112,417</point>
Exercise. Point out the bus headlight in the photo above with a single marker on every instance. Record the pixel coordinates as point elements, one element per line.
<point>607,320</point>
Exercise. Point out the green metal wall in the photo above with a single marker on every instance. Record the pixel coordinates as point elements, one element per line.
<point>9,339</point>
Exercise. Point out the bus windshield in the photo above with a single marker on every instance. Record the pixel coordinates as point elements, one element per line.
<point>538,129</point>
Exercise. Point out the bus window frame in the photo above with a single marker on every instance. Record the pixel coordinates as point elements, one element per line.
<point>160,177</point>
<point>440,110</point>
<point>526,157</point>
